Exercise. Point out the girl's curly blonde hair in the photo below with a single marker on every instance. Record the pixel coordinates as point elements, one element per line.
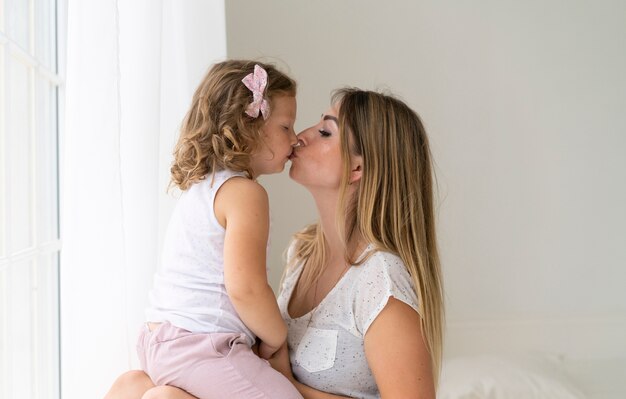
<point>216,133</point>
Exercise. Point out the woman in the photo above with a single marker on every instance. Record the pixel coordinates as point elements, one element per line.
<point>362,295</point>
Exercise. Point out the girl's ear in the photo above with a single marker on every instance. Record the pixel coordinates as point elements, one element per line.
<point>356,168</point>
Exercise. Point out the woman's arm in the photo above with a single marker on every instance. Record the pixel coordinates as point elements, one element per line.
<point>396,353</point>
<point>244,206</point>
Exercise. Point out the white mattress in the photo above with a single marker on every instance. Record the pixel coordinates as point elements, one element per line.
<point>599,378</point>
<point>588,354</point>
<point>532,376</point>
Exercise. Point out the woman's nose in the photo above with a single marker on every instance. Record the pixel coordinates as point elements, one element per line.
<point>301,138</point>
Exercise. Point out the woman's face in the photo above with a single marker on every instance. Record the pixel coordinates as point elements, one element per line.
<point>316,163</point>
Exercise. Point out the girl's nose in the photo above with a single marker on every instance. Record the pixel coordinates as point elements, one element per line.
<point>300,143</point>
<point>294,139</point>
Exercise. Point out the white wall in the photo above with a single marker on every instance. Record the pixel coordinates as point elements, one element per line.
<point>524,103</point>
<point>131,70</point>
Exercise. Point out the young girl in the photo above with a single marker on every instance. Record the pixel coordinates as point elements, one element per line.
<point>211,298</point>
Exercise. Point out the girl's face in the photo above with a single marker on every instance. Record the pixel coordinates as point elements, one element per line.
<point>316,163</point>
<point>278,137</point>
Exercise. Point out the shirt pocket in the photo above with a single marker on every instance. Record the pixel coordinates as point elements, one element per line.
<point>317,350</point>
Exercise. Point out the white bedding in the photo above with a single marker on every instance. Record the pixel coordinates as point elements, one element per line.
<point>599,378</point>
<point>535,376</point>
<point>534,359</point>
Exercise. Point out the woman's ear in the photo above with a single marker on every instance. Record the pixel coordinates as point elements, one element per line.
<point>356,168</point>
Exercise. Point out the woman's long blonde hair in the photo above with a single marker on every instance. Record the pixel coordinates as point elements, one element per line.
<point>216,133</point>
<point>393,204</point>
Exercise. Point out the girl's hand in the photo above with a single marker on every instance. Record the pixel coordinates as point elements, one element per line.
<point>255,348</point>
<point>280,362</point>
<point>266,351</point>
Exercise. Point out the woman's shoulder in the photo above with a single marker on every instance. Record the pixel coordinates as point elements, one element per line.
<point>383,273</point>
<point>380,262</point>
<point>381,276</point>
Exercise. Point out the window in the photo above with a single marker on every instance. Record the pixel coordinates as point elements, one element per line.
<point>29,228</point>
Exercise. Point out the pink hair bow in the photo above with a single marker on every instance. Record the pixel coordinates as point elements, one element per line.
<point>256,82</point>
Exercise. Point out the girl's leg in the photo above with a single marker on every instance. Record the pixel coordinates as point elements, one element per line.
<point>130,385</point>
<point>136,384</point>
<point>210,366</point>
<point>235,372</point>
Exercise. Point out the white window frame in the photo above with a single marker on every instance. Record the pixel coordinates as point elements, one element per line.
<point>30,367</point>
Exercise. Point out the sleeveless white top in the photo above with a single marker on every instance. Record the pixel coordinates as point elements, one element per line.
<point>189,290</point>
<point>326,345</point>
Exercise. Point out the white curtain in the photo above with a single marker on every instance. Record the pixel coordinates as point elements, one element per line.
<point>131,69</point>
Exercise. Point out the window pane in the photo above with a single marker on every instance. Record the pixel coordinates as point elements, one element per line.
<point>29,291</point>
<point>45,33</point>
<point>46,323</point>
<point>2,13</point>
<point>18,330</point>
<point>3,151</point>
<point>19,158</point>
<point>4,337</point>
<point>17,21</point>
<point>46,168</point>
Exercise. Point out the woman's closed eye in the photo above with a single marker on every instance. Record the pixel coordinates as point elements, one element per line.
<point>324,133</point>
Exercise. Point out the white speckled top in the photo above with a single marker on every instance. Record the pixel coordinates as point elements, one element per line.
<point>328,354</point>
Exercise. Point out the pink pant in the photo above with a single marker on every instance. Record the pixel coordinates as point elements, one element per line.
<point>216,365</point>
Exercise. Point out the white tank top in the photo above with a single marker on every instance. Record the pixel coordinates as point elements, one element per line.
<point>189,290</point>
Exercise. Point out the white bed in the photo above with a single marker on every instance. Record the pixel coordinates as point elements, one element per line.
<point>573,359</point>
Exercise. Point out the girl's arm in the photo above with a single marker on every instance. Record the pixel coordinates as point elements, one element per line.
<point>397,354</point>
<point>243,208</point>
